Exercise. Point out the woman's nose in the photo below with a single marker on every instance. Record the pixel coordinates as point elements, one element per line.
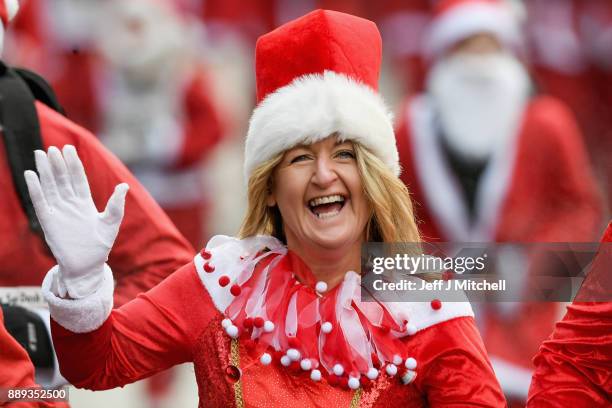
<point>325,173</point>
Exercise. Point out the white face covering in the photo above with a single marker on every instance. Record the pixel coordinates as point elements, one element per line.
<point>140,36</point>
<point>480,101</point>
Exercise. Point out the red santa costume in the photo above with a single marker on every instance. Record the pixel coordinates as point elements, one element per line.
<point>25,255</point>
<point>534,183</point>
<point>145,96</point>
<point>249,313</point>
<point>573,366</point>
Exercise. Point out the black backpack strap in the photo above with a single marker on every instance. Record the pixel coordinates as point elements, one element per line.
<point>21,133</point>
<point>41,90</point>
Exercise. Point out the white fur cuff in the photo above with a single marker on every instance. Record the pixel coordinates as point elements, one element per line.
<point>80,315</point>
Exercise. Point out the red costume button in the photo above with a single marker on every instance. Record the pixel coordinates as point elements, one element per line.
<point>235,290</point>
<point>205,254</point>
<point>258,322</point>
<point>232,372</point>
<point>436,304</point>
<point>208,267</point>
<point>224,280</point>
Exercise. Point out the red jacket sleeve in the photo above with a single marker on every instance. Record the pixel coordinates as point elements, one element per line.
<point>573,366</point>
<point>16,369</point>
<point>456,370</point>
<point>151,333</point>
<point>148,247</point>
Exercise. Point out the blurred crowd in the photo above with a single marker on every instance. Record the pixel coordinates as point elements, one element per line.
<point>522,107</point>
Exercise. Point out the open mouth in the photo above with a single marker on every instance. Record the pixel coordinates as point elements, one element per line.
<point>326,206</point>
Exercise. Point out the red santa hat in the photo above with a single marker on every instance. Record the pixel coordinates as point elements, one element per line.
<point>318,75</point>
<point>456,20</point>
<point>8,10</point>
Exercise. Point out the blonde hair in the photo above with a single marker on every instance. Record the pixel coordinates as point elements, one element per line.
<point>392,217</point>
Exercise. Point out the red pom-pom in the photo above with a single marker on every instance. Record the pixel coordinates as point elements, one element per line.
<point>205,254</point>
<point>258,322</point>
<point>248,323</point>
<point>235,290</point>
<point>224,280</point>
<point>436,304</point>
<point>208,267</point>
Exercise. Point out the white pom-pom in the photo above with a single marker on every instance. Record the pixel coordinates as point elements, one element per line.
<point>268,326</point>
<point>408,377</point>
<point>315,375</point>
<point>265,359</point>
<point>372,373</point>
<point>326,327</point>
<point>411,363</point>
<point>411,329</point>
<point>286,361</point>
<point>232,331</point>
<point>397,360</point>
<point>391,369</point>
<point>293,354</point>
<point>353,383</point>
<point>306,364</point>
<point>225,323</point>
<point>338,369</point>
<point>321,287</point>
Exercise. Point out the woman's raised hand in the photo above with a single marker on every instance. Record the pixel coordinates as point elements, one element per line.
<point>78,235</point>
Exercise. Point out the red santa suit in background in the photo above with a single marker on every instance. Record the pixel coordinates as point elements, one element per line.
<point>55,39</point>
<point>24,256</point>
<point>570,48</point>
<point>156,110</point>
<point>573,366</point>
<point>487,163</point>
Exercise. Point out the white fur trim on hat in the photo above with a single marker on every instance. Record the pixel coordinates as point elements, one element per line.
<point>467,19</point>
<point>12,6</point>
<point>80,315</point>
<point>311,108</point>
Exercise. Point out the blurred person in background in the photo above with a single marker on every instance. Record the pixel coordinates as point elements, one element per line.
<point>487,161</point>
<point>56,39</point>
<point>570,50</point>
<point>29,124</point>
<point>157,112</point>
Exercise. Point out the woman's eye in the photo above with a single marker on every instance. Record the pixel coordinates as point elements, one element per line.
<point>346,154</point>
<point>299,158</point>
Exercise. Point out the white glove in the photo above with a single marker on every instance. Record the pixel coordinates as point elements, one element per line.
<point>79,237</point>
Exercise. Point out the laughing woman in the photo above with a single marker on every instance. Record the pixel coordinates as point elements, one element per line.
<point>273,318</point>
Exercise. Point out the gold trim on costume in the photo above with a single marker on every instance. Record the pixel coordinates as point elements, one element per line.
<point>235,361</point>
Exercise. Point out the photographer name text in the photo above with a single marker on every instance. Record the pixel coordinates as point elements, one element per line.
<point>450,285</point>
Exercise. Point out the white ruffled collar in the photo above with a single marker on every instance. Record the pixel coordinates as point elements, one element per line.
<point>272,302</point>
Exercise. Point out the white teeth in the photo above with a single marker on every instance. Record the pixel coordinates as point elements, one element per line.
<point>326,200</point>
<point>327,215</point>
